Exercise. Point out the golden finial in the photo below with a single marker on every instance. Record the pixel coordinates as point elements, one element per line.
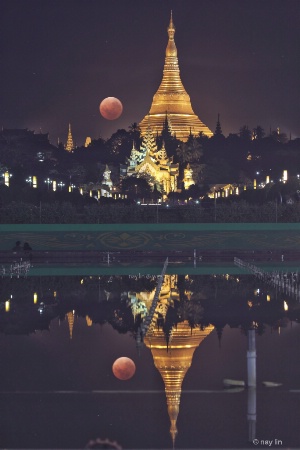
<point>171,27</point>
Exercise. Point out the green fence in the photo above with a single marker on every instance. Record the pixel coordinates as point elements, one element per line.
<point>153,237</point>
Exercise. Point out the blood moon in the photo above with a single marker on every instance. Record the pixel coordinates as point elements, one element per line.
<point>123,368</point>
<point>111,108</point>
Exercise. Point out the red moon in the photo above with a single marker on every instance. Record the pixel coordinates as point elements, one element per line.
<point>123,368</point>
<point>111,108</point>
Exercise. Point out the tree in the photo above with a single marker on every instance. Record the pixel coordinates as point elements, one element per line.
<point>245,133</point>
<point>190,151</point>
<point>258,132</point>
<point>136,187</point>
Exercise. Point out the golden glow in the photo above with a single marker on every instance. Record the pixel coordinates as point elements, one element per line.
<point>172,99</point>
<point>285,306</point>
<point>7,305</point>
<point>35,298</point>
<point>54,185</point>
<point>88,141</point>
<point>54,294</point>
<point>254,183</point>
<point>81,281</point>
<point>267,179</point>
<point>173,361</point>
<point>6,179</point>
<point>268,298</point>
<point>34,182</point>
<point>89,321</point>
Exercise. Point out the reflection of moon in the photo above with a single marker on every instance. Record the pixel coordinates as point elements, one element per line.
<point>111,108</point>
<point>123,368</point>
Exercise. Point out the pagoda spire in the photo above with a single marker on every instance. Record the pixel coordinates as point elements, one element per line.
<point>172,97</point>
<point>70,143</point>
<point>218,131</point>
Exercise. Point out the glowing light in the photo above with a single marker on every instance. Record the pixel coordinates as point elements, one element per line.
<point>6,178</point>
<point>35,298</point>
<point>7,305</point>
<point>285,176</point>
<point>268,298</point>
<point>285,306</point>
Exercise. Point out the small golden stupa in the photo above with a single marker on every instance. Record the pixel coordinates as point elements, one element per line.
<point>171,99</point>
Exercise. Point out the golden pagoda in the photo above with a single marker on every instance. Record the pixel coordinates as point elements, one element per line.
<point>70,143</point>
<point>171,99</point>
<point>173,359</point>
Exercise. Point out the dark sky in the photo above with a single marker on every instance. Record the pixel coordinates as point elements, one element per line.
<point>60,58</point>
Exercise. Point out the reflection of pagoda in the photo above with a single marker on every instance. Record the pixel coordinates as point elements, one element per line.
<point>70,317</point>
<point>173,359</point>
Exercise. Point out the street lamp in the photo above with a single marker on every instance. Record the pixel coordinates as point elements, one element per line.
<point>29,180</point>
<point>61,185</point>
<point>48,181</point>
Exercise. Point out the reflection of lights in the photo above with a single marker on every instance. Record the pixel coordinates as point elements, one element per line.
<point>285,306</point>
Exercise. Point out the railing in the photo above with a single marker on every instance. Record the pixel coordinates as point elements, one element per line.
<point>286,282</point>
<point>20,268</point>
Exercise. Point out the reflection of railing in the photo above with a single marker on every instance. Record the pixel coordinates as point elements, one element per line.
<point>287,282</point>
<point>149,321</point>
<point>17,269</point>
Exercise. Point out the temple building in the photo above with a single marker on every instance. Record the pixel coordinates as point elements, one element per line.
<point>153,163</point>
<point>172,99</point>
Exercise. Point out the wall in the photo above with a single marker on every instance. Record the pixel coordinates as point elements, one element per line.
<point>153,237</point>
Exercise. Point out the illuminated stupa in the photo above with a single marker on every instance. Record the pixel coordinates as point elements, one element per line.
<point>172,99</point>
<point>173,359</point>
<point>70,143</point>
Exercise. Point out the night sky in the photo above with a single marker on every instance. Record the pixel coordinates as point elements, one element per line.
<point>60,58</point>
